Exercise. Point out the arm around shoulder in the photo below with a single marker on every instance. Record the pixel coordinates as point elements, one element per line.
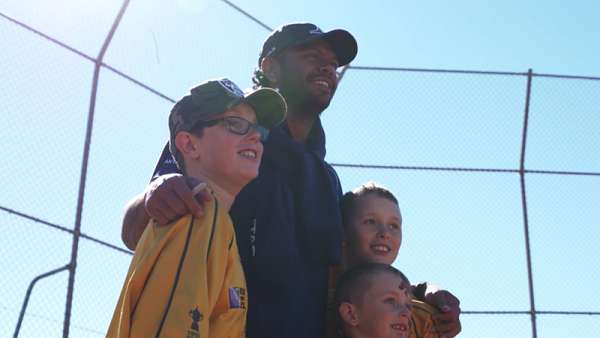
<point>166,198</point>
<point>135,219</point>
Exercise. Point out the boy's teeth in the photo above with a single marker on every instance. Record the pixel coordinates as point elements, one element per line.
<point>381,248</point>
<point>400,327</point>
<point>248,153</point>
<point>322,83</point>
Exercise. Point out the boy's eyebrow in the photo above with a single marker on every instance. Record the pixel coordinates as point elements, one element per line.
<point>389,293</point>
<point>396,293</point>
<point>404,286</point>
<point>372,213</point>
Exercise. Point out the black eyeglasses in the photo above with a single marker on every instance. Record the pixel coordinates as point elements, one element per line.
<point>236,125</point>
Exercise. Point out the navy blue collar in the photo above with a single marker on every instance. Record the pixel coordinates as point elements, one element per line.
<point>315,141</point>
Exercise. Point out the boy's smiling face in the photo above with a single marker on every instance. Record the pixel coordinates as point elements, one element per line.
<point>374,233</point>
<point>222,156</point>
<point>385,308</point>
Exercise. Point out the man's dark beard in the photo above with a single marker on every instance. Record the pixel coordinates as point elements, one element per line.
<point>301,100</point>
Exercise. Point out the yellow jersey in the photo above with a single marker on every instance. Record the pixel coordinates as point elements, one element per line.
<point>422,325</point>
<point>185,280</point>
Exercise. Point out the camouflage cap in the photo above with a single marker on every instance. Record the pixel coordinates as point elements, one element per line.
<point>214,97</point>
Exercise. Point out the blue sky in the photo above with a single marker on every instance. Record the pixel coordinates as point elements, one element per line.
<point>463,230</point>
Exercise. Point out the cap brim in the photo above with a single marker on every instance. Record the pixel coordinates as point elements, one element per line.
<point>269,106</point>
<point>341,41</point>
<point>343,44</point>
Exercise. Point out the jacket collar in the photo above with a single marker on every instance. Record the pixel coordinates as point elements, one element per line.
<point>315,141</point>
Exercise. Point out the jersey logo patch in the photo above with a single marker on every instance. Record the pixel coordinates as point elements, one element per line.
<point>194,330</point>
<point>237,298</point>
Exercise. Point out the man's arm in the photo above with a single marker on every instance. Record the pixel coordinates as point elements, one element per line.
<point>166,199</point>
<point>135,220</point>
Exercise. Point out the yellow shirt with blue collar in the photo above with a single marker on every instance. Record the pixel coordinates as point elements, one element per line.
<point>185,280</point>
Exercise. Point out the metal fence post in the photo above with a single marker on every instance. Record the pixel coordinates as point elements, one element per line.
<point>84,165</point>
<point>524,204</point>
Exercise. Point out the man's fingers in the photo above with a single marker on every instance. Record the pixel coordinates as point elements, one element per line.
<point>157,214</point>
<point>174,205</point>
<point>447,330</point>
<point>443,300</point>
<point>447,324</point>
<point>435,299</point>
<point>444,326</point>
<point>171,197</point>
<point>165,207</point>
<point>199,188</point>
<point>441,319</point>
<point>186,196</point>
<point>443,316</point>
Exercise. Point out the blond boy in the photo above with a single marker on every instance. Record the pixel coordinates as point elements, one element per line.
<point>373,234</point>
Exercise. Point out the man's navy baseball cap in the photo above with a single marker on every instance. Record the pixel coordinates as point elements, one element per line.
<point>342,42</point>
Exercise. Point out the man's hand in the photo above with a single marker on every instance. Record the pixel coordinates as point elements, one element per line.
<point>165,199</point>
<point>170,196</point>
<point>447,322</point>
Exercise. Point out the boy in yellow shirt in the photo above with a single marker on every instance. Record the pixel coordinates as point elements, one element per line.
<point>186,279</point>
<point>373,234</point>
<point>373,301</point>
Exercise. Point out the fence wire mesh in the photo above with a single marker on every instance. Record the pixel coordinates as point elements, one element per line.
<point>497,173</point>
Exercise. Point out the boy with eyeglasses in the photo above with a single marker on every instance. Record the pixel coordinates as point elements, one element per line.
<point>186,279</point>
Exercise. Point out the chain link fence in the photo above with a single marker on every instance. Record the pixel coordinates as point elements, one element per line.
<point>497,173</point>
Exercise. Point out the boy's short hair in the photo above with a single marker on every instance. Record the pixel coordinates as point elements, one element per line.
<point>348,201</point>
<point>355,282</point>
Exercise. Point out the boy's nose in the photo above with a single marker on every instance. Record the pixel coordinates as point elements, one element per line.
<point>404,310</point>
<point>383,232</point>
<point>254,135</point>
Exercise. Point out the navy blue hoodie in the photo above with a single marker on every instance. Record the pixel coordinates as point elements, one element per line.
<point>289,232</point>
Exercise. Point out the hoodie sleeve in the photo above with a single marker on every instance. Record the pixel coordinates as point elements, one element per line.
<point>166,164</point>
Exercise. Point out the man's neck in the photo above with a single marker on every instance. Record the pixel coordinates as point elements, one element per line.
<point>300,125</point>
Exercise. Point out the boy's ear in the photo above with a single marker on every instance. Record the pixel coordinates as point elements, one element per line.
<point>186,144</point>
<point>349,315</point>
<point>271,69</point>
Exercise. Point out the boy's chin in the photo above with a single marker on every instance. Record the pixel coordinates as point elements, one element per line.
<point>379,259</point>
<point>248,175</point>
